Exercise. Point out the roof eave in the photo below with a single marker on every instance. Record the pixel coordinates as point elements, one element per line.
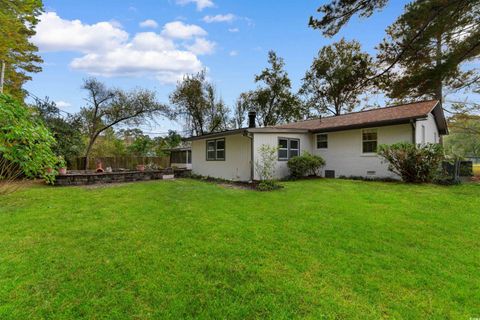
<point>217,134</point>
<point>277,130</point>
<point>369,125</point>
<point>437,111</point>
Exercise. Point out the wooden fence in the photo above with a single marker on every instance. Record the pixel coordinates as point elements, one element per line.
<point>118,162</point>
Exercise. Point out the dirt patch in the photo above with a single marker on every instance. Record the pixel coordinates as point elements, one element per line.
<point>239,186</point>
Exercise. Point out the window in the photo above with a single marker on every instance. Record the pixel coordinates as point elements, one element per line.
<point>216,150</point>
<point>369,141</point>
<point>435,137</point>
<point>178,156</point>
<point>322,141</point>
<point>288,148</point>
<point>423,134</point>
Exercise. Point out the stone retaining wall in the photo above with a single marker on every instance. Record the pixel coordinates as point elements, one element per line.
<point>75,179</point>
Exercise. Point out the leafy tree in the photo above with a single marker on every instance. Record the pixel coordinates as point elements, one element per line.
<point>464,137</point>
<point>24,141</point>
<point>65,129</point>
<point>196,102</point>
<point>437,57</point>
<point>109,107</point>
<point>17,24</point>
<point>334,82</point>
<point>142,146</point>
<point>240,111</point>
<point>273,102</point>
<point>427,47</point>
<point>109,144</point>
<point>173,139</point>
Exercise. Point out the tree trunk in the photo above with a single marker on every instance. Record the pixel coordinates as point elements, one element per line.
<point>87,152</point>
<point>438,94</point>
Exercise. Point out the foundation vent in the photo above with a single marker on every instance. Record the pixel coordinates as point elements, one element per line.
<point>329,173</point>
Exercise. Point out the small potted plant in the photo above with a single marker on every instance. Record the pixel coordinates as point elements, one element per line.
<point>62,166</point>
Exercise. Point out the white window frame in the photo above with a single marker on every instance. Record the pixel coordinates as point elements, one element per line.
<point>326,140</point>
<point>215,142</point>
<point>363,141</point>
<point>288,148</point>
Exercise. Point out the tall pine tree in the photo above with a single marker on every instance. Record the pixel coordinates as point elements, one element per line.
<point>437,57</point>
<point>426,49</point>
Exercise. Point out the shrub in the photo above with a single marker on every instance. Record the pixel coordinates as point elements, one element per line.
<point>9,176</point>
<point>265,166</point>
<point>268,185</point>
<point>413,163</point>
<point>24,141</point>
<point>306,164</point>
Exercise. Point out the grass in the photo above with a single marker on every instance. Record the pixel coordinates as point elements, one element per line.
<point>476,170</point>
<point>319,249</point>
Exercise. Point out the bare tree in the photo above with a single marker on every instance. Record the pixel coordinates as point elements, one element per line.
<point>109,107</point>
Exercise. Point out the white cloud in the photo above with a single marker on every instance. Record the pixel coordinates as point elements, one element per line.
<point>128,61</point>
<point>151,41</point>
<point>233,30</point>
<point>219,18</point>
<point>201,46</point>
<point>108,50</point>
<point>201,4</point>
<point>233,53</point>
<point>63,104</point>
<point>180,30</point>
<point>149,23</point>
<point>55,33</point>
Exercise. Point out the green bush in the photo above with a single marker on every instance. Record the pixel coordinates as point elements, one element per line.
<point>25,141</point>
<point>268,185</point>
<point>306,164</point>
<point>413,163</point>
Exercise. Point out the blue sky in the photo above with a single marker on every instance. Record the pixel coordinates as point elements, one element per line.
<point>150,44</point>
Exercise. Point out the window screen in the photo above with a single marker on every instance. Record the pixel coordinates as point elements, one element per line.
<point>322,141</point>
<point>288,148</point>
<point>369,141</point>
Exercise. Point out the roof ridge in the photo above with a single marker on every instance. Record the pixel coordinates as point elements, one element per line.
<point>355,112</point>
<point>381,108</point>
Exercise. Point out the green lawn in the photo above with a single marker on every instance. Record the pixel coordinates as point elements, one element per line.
<point>319,249</point>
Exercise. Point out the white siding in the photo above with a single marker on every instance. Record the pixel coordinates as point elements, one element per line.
<point>431,130</point>
<point>271,139</point>
<point>344,152</point>
<point>237,159</point>
<point>343,155</point>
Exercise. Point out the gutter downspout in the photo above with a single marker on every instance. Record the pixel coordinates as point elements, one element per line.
<point>414,138</point>
<point>250,136</point>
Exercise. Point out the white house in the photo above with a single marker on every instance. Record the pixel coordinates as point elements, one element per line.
<point>347,142</point>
